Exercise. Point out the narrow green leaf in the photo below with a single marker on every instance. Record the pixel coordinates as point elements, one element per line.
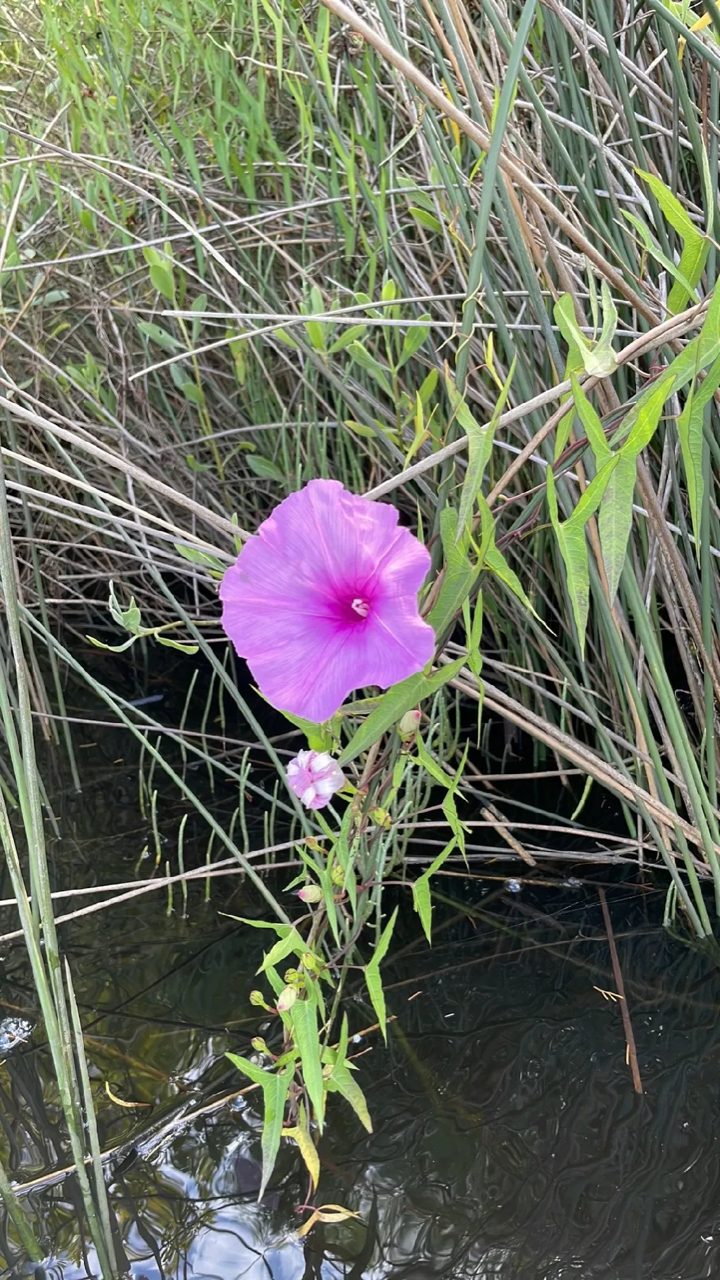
<point>572,544</point>
<point>653,248</point>
<point>342,1081</point>
<point>649,412</point>
<point>695,244</point>
<point>458,577</point>
<point>372,975</point>
<point>615,521</point>
<point>275,1087</point>
<point>480,441</point>
<point>690,432</point>
<point>591,424</point>
<point>422,899</point>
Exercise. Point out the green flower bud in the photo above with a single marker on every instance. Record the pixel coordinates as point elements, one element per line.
<point>257,998</point>
<point>410,723</point>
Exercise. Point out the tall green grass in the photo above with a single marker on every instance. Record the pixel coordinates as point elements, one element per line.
<point>246,244</point>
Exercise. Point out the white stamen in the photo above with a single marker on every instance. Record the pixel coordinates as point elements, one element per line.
<point>361,607</point>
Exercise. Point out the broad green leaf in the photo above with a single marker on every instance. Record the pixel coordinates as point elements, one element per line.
<point>264,467</point>
<point>359,429</point>
<point>342,1081</point>
<point>275,1087</point>
<point>285,337</point>
<point>315,329</point>
<point>695,244</point>
<point>303,1018</point>
<point>425,219</point>
<point>372,975</point>
<point>192,392</point>
<point>362,356</point>
<point>159,335</point>
<point>695,357</point>
<point>163,279</point>
<point>427,387</point>
<point>204,558</point>
<point>395,703</point>
<point>422,900</point>
<point>690,431</point>
<point>351,334</point>
<point>414,339</point>
<point>112,648</point>
<point>284,947</point>
<point>161,272</point>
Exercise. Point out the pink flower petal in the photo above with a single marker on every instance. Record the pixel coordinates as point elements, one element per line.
<point>323,600</point>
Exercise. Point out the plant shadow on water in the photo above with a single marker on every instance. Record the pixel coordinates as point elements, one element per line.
<point>508,1141</point>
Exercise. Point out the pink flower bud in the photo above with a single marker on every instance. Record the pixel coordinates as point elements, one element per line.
<point>286,999</point>
<point>311,893</point>
<point>315,777</point>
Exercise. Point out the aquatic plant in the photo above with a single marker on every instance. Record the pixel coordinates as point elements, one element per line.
<point>464,259</point>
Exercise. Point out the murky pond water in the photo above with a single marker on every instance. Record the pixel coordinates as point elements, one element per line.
<point>508,1139</point>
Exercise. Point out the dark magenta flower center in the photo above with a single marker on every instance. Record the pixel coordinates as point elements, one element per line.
<point>353,608</point>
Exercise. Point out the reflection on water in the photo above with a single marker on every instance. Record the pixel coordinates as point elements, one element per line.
<point>508,1141</point>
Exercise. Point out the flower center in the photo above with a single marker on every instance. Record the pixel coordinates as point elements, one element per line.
<point>360,607</point>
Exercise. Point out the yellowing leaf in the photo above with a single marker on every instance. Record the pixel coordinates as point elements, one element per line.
<point>326,1213</point>
<point>301,1137</point>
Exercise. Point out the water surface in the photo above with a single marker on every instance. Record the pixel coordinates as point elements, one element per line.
<point>508,1139</point>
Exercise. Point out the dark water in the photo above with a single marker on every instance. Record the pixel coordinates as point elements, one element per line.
<point>508,1140</point>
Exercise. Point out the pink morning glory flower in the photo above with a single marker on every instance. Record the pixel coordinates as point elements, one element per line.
<point>315,777</point>
<point>323,600</point>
